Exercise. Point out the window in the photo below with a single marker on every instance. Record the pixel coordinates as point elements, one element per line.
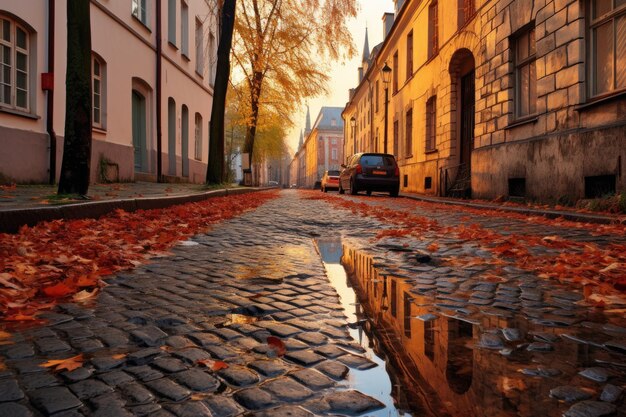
<point>139,11</point>
<point>408,151</point>
<point>199,48</point>
<point>184,29</point>
<point>433,29</point>
<point>396,137</point>
<point>466,10</point>
<point>212,58</point>
<point>198,138</point>
<point>333,141</point>
<point>14,65</point>
<point>525,73</point>
<point>608,46</point>
<point>377,95</point>
<point>334,154</point>
<point>171,21</point>
<point>409,55</point>
<point>395,72</point>
<point>98,88</point>
<point>431,123</point>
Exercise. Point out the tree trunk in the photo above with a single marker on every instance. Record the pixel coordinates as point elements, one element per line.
<point>248,145</point>
<point>215,169</point>
<point>77,142</point>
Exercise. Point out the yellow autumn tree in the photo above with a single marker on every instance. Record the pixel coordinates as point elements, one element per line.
<point>282,51</point>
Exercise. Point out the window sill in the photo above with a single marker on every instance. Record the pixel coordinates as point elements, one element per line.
<point>98,129</point>
<point>186,57</point>
<point>430,151</point>
<point>19,113</point>
<point>145,25</point>
<point>172,45</point>
<point>522,121</point>
<point>199,74</point>
<point>597,101</point>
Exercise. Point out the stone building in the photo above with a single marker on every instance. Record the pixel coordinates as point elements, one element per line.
<point>320,149</point>
<point>134,102</point>
<point>489,98</point>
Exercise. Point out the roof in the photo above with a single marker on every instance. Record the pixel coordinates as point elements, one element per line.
<point>326,116</point>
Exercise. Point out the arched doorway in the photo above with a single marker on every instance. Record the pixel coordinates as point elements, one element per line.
<point>139,131</point>
<point>463,116</point>
<point>171,136</point>
<point>185,140</point>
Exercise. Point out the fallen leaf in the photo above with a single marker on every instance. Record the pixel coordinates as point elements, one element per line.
<point>58,290</point>
<point>277,345</point>
<point>84,295</point>
<point>213,365</point>
<point>119,356</point>
<point>433,247</point>
<point>68,364</point>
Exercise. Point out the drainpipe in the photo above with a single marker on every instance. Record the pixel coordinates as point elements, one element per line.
<point>50,96</point>
<point>159,71</point>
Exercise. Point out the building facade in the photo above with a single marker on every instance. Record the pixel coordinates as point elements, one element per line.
<point>513,98</point>
<point>126,86</point>
<point>321,148</point>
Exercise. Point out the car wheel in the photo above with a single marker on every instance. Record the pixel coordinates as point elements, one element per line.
<point>394,192</point>
<point>325,190</point>
<point>369,192</point>
<point>341,190</point>
<point>353,189</point>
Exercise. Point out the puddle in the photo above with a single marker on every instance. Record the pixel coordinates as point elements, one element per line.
<point>440,356</point>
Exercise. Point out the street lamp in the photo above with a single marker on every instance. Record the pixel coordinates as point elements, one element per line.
<point>353,125</point>
<point>386,72</point>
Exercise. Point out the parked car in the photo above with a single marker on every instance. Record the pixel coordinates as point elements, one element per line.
<point>330,181</point>
<point>370,172</point>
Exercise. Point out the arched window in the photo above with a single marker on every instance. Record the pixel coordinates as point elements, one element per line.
<point>198,137</point>
<point>98,88</point>
<point>14,64</point>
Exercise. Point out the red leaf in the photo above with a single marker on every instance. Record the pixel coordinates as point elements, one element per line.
<point>277,345</point>
<point>213,365</point>
<point>58,290</point>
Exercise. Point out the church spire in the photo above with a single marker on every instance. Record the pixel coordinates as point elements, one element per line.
<point>366,48</point>
<point>307,127</point>
<point>301,140</point>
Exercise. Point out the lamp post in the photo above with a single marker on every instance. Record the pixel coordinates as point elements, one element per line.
<point>353,126</point>
<point>386,72</point>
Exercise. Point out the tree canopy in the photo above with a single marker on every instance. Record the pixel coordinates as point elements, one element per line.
<point>282,51</point>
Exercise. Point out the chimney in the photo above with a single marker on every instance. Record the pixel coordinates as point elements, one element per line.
<point>388,19</point>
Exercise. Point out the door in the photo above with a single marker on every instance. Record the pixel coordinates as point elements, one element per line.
<point>185,140</point>
<point>467,119</point>
<point>139,131</point>
<point>171,136</point>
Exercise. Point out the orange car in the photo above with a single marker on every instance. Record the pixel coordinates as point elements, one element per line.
<point>330,180</point>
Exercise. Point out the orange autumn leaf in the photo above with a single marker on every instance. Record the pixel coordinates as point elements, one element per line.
<point>58,290</point>
<point>213,365</point>
<point>277,345</point>
<point>433,247</point>
<point>68,364</point>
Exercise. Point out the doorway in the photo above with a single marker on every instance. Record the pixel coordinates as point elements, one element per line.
<point>171,136</point>
<point>139,131</point>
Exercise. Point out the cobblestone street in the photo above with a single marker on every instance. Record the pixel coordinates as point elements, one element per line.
<point>243,320</point>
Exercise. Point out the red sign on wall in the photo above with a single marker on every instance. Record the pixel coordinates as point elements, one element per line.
<point>47,81</point>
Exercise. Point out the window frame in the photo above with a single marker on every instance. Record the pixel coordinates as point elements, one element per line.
<point>199,48</point>
<point>28,70</point>
<point>518,66</point>
<point>197,154</point>
<point>433,29</point>
<point>408,136</point>
<point>466,10</point>
<point>430,143</point>
<point>142,6</point>
<point>184,29</point>
<point>102,100</point>
<point>396,65</point>
<point>409,55</point>
<point>594,23</point>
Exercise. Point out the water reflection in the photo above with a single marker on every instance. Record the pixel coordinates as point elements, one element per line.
<point>446,355</point>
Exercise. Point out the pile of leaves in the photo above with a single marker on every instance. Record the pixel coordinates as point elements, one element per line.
<point>600,269</point>
<point>61,259</point>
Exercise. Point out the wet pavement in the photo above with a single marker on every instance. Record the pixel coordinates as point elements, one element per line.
<point>418,338</point>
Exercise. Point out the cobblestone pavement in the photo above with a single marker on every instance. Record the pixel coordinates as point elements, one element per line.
<point>222,294</point>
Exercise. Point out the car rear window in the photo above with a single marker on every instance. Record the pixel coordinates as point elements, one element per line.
<point>377,160</point>
<point>333,173</point>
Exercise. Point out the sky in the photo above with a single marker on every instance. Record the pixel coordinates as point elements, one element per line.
<point>345,75</point>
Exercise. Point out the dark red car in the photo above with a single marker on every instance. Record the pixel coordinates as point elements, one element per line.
<point>330,181</point>
<point>370,172</point>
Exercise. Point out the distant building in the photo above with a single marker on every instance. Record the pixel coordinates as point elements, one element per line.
<point>321,149</point>
<point>124,83</point>
<point>520,98</point>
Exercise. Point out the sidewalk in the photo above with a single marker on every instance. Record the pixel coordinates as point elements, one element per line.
<point>30,204</point>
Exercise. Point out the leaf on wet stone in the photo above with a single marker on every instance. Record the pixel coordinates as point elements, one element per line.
<point>213,365</point>
<point>84,295</point>
<point>68,364</point>
<point>277,345</point>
